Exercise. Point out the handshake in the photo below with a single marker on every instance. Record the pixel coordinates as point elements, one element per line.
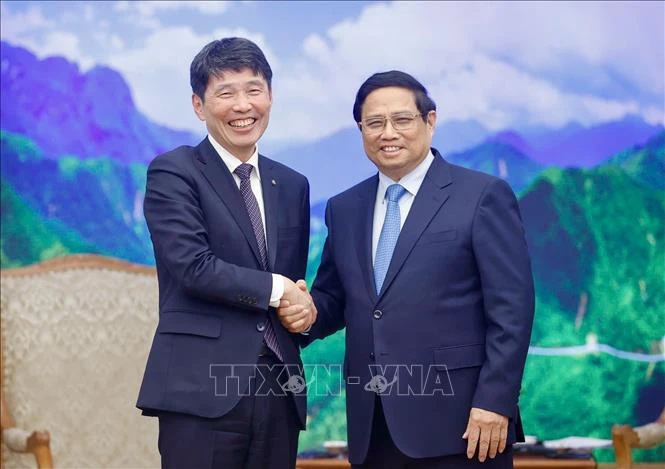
<point>296,309</point>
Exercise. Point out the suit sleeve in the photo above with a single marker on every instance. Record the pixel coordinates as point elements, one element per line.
<point>305,210</point>
<point>328,291</point>
<point>179,235</point>
<point>502,258</point>
<point>305,215</point>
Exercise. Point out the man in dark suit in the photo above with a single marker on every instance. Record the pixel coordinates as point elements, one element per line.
<point>426,265</point>
<point>230,228</point>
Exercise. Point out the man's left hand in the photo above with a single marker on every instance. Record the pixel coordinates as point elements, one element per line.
<point>486,430</point>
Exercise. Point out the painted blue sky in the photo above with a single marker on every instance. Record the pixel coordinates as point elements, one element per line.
<point>503,64</point>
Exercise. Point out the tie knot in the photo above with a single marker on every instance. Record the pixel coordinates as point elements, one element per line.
<point>244,170</point>
<point>395,192</point>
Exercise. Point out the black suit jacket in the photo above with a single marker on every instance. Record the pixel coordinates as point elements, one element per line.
<point>450,328</point>
<point>213,294</point>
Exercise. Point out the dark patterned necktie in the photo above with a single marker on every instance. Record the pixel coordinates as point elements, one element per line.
<point>243,172</point>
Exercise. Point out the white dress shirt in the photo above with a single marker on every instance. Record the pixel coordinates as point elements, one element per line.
<point>232,163</point>
<point>411,182</point>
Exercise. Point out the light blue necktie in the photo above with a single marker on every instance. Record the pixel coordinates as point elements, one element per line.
<point>389,235</point>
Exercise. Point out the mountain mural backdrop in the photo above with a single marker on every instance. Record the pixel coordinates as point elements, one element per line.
<point>74,153</point>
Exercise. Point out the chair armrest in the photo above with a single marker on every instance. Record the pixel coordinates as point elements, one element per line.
<point>623,439</point>
<point>37,443</point>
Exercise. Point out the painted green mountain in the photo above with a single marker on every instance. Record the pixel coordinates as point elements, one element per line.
<point>98,200</point>
<point>26,238</point>
<point>596,239</point>
<point>645,164</point>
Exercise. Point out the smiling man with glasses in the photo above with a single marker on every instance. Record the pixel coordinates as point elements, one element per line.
<point>426,265</point>
<point>397,125</point>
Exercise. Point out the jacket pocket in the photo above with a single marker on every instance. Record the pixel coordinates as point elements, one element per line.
<point>189,323</point>
<point>438,237</point>
<point>459,356</point>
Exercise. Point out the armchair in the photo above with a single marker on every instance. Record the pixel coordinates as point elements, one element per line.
<point>76,332</point>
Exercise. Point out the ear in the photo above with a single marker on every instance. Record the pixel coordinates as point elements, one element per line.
<point>197,104</point>
<point>431,121</point>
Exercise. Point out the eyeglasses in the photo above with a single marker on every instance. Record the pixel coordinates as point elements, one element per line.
<point>400,122</point>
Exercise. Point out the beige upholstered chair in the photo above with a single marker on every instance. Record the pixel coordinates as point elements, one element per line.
<point>75,336</point>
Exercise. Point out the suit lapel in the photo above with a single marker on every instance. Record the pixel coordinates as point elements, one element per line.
<point>432,194</point>
<point>365,221</point>
<point>222,182</point>
<point>270,206</point>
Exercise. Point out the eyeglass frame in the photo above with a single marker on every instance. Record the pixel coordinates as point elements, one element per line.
<point>413,116</point>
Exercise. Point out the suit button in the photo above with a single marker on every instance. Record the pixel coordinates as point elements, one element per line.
<point>371,355</point>
<point>261,327</point>
<point>377,314</point>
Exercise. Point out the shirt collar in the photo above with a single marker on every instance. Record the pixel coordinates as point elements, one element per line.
<point>233,162</point>
<point>412,181</point>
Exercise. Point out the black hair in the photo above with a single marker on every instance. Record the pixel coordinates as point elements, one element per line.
<point>231,53</point>
<point>395,78</point>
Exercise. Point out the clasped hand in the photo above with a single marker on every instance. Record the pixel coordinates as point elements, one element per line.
<point>296,309</point>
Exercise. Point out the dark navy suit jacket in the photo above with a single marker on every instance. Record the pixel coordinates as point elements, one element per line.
<point>451,327</point>
<point>213,294</point>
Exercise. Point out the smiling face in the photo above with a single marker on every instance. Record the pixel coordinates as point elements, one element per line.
<point>396,153</point>
<point>236,110</point>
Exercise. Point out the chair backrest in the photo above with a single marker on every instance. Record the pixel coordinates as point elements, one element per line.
<point>76,332</point>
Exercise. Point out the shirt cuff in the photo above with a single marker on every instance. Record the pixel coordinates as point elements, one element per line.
<point>277,290</point>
